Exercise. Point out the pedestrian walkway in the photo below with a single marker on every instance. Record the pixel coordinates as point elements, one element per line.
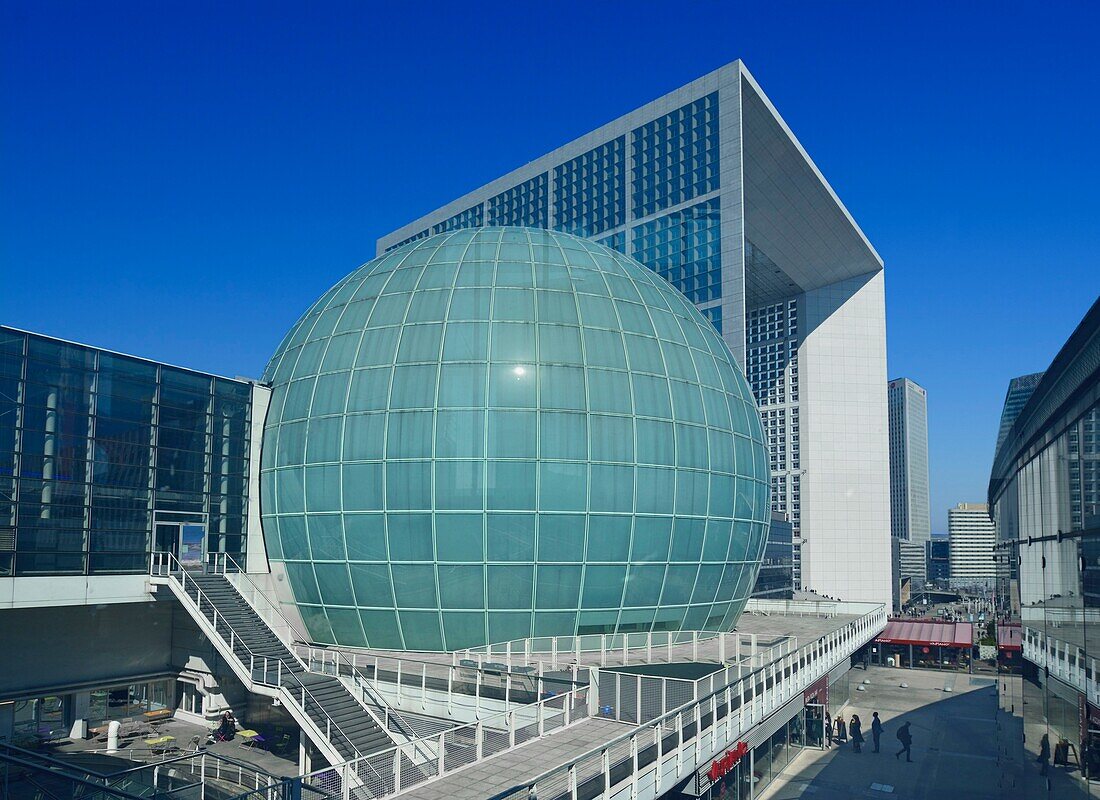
<point>956,744</point>
<point>521,764</point>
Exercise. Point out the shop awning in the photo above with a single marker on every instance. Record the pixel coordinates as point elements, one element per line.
<point>944,634</point>
<point>1009,637</point>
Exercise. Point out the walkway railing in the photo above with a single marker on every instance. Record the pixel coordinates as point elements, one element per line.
<point>469,689</point>
<point>263,670</point>
<point>404,766</point>
<point>268,610</point>
<point>711,722</point>
<point>171,775</point>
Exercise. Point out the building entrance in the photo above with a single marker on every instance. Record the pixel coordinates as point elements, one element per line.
<point>185,540</point>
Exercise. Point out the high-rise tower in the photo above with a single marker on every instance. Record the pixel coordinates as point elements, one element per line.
<point>708,187</point>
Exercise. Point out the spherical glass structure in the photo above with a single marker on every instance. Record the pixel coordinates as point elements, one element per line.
<point>499,433</point>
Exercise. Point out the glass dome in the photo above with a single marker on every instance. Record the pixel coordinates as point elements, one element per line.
<point>499,433</point>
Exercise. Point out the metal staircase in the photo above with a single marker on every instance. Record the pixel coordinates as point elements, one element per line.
<point>340,724</point>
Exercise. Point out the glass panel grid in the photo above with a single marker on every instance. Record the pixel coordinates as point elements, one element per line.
<point>565,414</point>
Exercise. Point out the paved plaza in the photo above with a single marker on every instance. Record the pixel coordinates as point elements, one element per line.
<point>963,746</point>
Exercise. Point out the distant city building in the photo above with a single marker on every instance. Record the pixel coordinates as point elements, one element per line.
<point>1019,392</point>
<point>776,577</point>
<point>912,563</point>
<point>938,560</point>
<point>908,419</point>
<point>972,538</point>
<point>708,187</point>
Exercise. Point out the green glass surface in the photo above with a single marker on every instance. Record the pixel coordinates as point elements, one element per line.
<point>495,433</point>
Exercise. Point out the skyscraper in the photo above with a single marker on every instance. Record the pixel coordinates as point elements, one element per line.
<point>1019,392</point>
<point>972,539</point>
<point>909,515</point>
<point>708,187</point>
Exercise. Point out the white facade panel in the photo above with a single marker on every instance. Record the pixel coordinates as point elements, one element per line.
<point>846,485</point>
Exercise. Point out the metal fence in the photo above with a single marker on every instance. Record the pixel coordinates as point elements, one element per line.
<point>458,688</point>
<point>199,775</point>
<point>403,766</point>
<point>709,721</point>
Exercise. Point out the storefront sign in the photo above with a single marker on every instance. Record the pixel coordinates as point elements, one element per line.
<point>818,692</point>
<point>721,766</point>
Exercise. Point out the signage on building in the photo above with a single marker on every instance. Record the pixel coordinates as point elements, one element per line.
<point>818,692</point>
<point>721,766</point>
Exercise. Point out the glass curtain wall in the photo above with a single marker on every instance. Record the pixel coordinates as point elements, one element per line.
<point>94,446</point>
<point>1054,498</point>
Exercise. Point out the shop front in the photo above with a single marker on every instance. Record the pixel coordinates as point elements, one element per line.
<point>924,645</point>
<point>1010,649</point>
<point>748,767</point>
<point>48,717</point>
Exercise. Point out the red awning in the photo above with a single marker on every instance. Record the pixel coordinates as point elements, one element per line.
<point>1009,637</point>
<point>944,634</point>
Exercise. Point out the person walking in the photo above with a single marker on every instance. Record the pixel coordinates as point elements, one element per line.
<point>857,733</point>
<point>828,730</point>
<point>906,739</point>
<point>876,729</point>
<point>1044,754</point>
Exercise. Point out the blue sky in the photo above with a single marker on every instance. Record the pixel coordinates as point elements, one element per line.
<point>180,180</point>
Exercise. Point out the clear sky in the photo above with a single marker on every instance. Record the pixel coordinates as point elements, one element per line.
<point>180,180</point>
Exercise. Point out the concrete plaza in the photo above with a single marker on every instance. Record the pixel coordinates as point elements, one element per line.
<point>963,746</point>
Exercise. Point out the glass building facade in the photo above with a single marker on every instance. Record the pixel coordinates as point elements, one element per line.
<point>1044,498</point>
<point>501,433</point>
<point>104,457</point>
<point>707,187</point>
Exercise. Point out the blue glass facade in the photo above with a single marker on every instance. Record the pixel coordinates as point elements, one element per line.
<point>470,218</point>
<point>675,157</point>
<point>658,166</point>
<point>590,190</point>
<point>502,433</point>
<point>103,457</point>
<point>684,248</point>
<point>527,204</point>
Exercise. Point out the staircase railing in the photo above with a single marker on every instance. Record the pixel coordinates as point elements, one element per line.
<point>266,607</point>
<point>386,715</point>
<point>161,565</point>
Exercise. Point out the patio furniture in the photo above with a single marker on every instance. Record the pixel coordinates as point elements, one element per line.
<point>160,744</point>
<point>251,738</point>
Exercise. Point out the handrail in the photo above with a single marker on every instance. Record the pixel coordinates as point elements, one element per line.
<point>330,722</point>
<point>830,660</point>
<point>68,774</point>
<point>274,606</point>
<point>574,709</point>
<point>403,726</point>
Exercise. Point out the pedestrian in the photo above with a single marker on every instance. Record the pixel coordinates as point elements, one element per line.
<point>1044,754</point>
<point>857,733</point>
<point>828,730</point>
<point>906,739</point>
<point>841,729</point>
<point>876,729</point>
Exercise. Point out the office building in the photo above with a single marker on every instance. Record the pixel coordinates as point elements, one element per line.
<point>908,420</point>
<point>105,458</point>
<point>938,555</point>
<point>1044,492</point>
<point>708,187</point>
<point>972,539</point>
<point>1019,392</point>
<point>776,576</point>
<point>911,558</point>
